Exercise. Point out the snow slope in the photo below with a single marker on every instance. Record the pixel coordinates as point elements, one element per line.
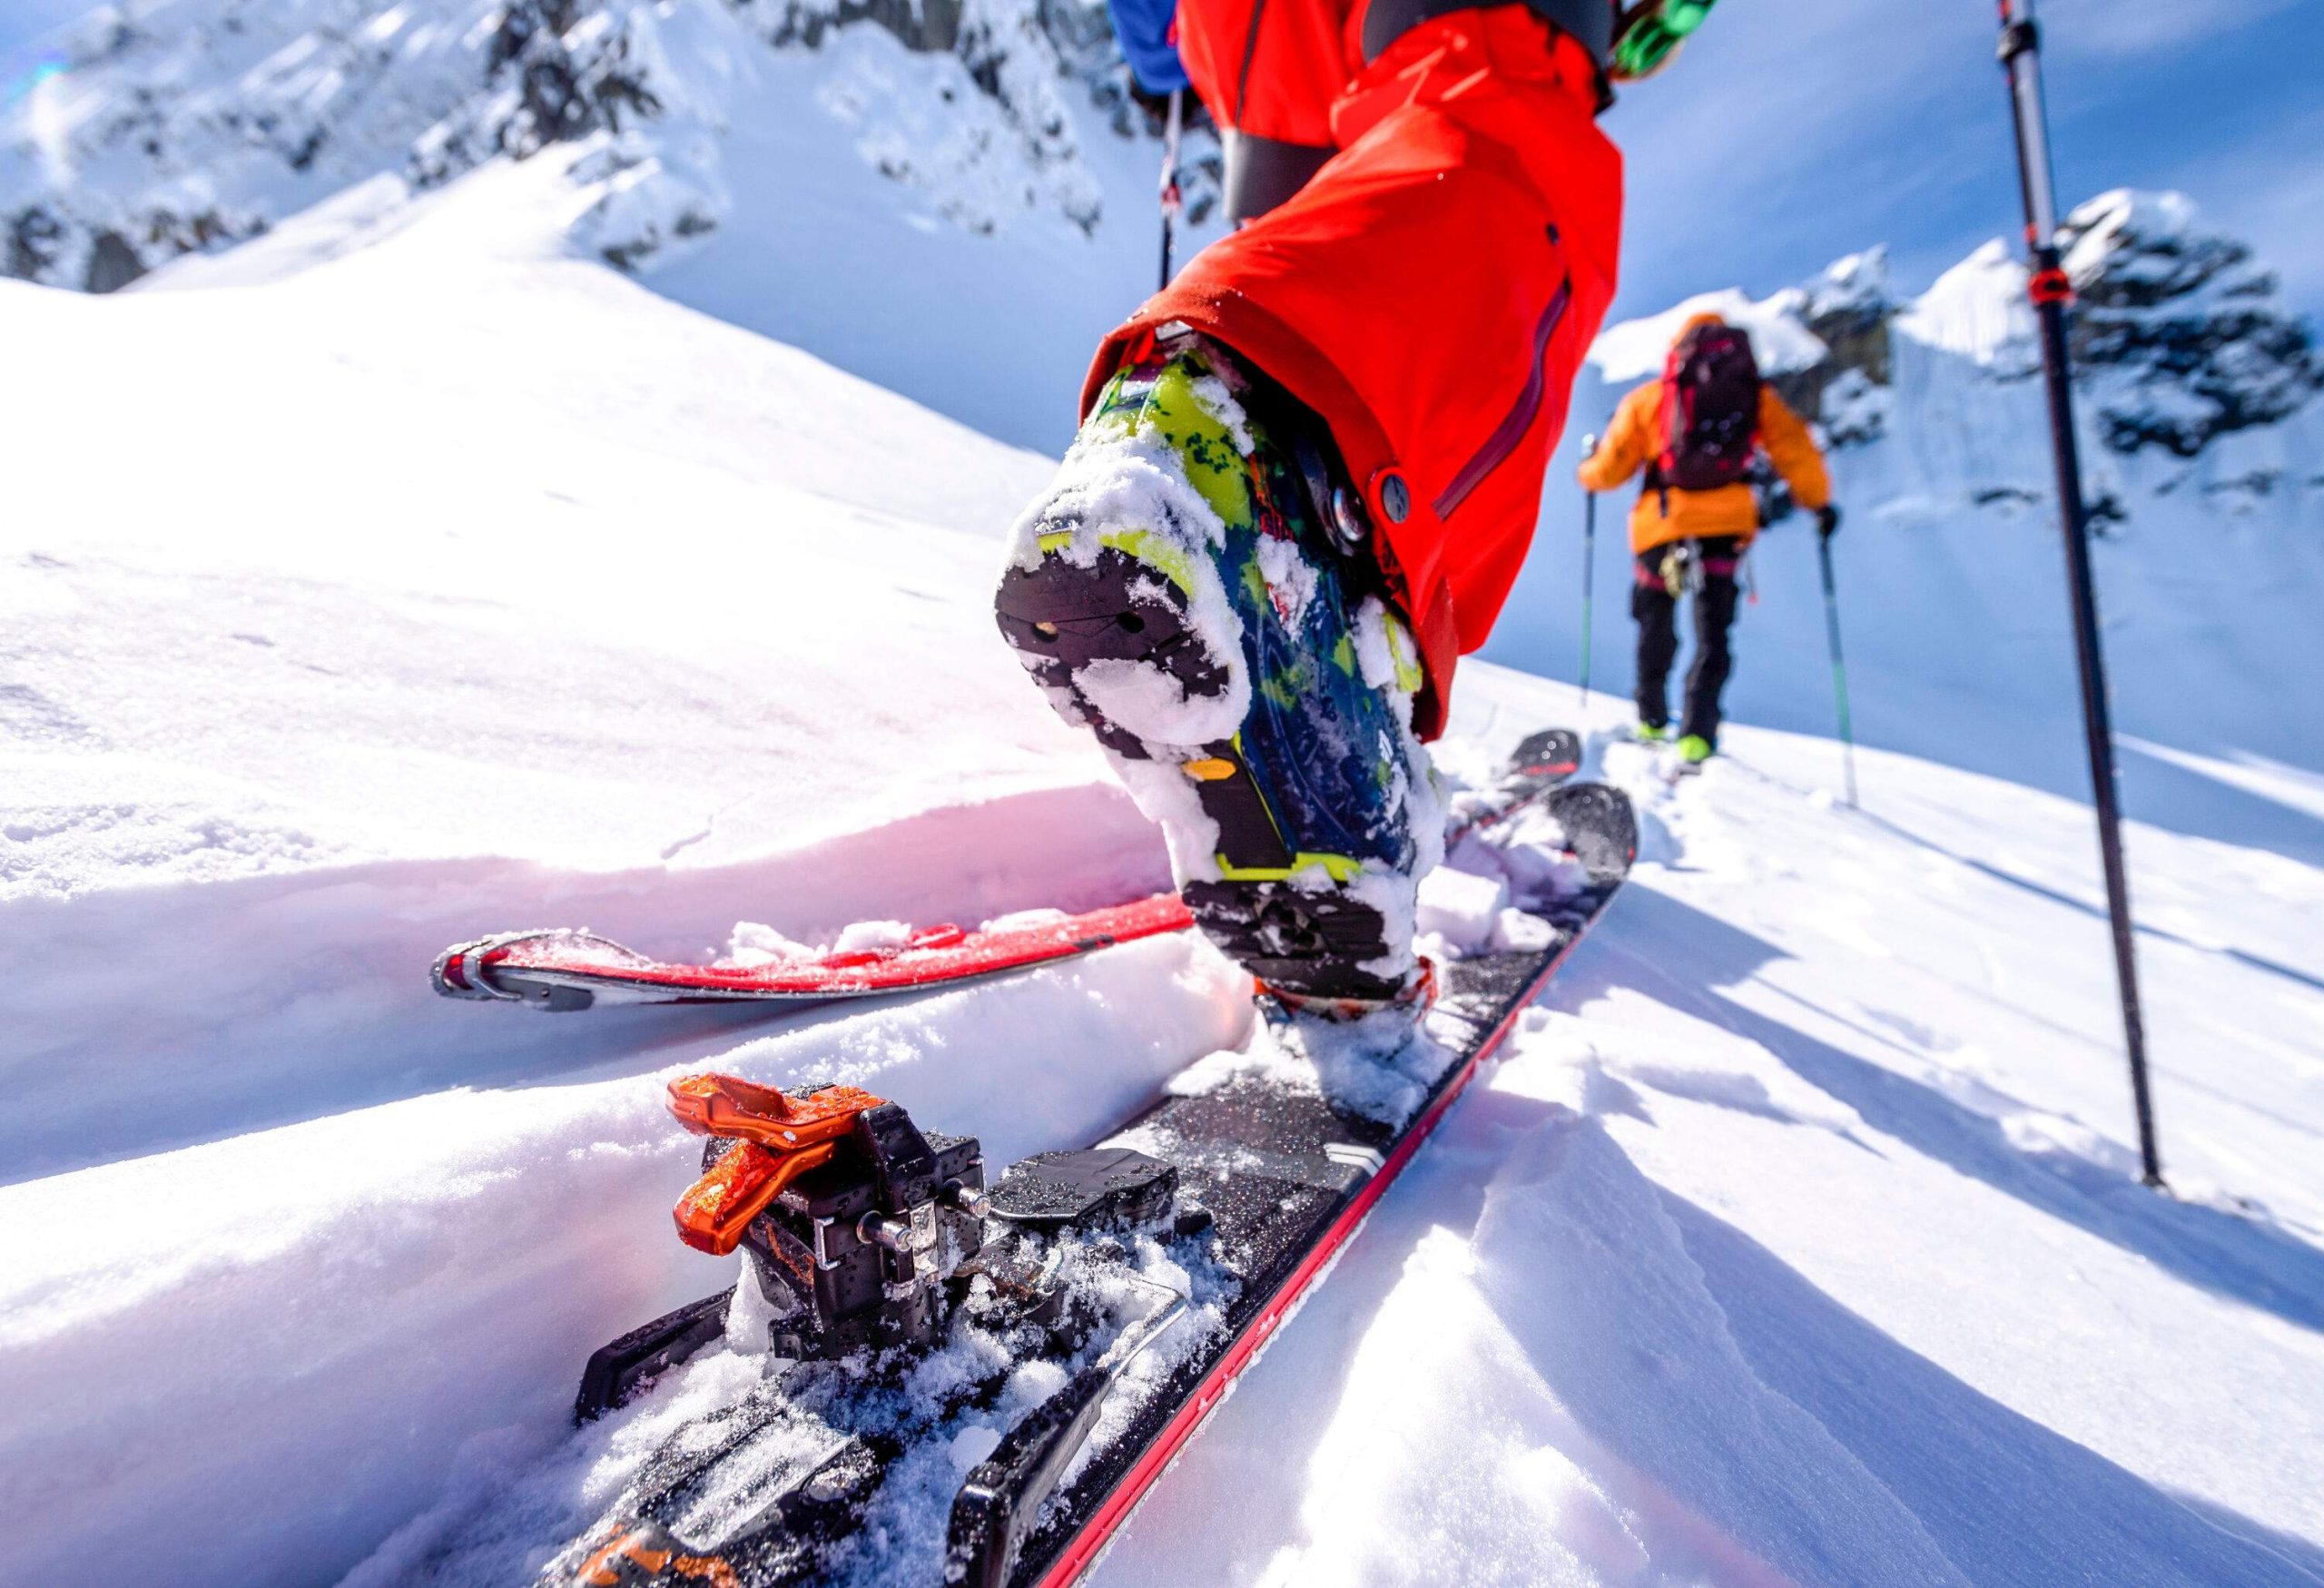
<point>2201,437</point>
<point>877,184</point>
<point>455,583</point>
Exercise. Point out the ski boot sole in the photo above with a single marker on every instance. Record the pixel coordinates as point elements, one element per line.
<point>1306,936</point>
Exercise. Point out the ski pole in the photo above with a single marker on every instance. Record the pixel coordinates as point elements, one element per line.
<point>2047,285</point>
<point>1839,663</point>
<point>1588,565</point>
<point>1171,201</point>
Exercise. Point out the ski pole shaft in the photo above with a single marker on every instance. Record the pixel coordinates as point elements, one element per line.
<point>1839,663</point>
<point>2050,290</point>
<point>1171,128</point>
<point>1589,567</point>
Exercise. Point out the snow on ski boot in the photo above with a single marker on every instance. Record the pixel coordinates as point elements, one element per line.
<point>1282,1004</point>
<point>1191,592</point>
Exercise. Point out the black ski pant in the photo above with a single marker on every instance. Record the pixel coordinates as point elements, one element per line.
<point>1656,611</point>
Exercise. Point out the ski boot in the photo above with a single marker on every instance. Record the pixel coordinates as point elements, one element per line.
<point>1693,751</point>
<point>1653,733</point>
<point>1195,592</point>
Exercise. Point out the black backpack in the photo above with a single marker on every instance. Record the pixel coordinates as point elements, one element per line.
<point>1710,410</point>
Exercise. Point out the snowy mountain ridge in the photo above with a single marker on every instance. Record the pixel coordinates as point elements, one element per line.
<point>2202,452</point>
<point>154,130</point>
<point>2178,335</point>
<point>736,149</point>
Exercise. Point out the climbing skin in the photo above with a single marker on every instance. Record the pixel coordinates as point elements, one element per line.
<point>1188,591</point>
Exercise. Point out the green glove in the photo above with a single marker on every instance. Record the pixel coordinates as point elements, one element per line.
<point>1649,33</point>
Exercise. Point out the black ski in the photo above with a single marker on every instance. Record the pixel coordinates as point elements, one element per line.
<point>874,1248</point>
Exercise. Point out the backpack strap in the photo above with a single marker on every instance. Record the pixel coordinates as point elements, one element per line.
<point>1658,479</point>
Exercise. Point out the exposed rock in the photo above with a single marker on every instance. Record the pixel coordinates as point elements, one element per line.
<point>1848,309</point>
<point>2179,329</point>
<point>113,263</point>
<point>194,126</point>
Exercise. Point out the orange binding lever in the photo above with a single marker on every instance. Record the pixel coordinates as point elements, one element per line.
<point>782,1138</point>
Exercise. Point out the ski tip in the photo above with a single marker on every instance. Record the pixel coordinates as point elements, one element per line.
<point>474,971</point>
<point>458,972</point>
<point>1550,752</point>
<point>1600,828</point>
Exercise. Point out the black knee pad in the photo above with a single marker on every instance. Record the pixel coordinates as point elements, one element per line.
<point>1588,23</point>
<point>1262,173</point>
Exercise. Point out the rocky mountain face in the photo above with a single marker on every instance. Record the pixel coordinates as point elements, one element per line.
<point>188,126</point>
<point>2176,333</point>
<point>2178,336</point>
<point>1846,309</point>
<point>2196,385</point>
<point>2179,327</point>
<point>194,125</point>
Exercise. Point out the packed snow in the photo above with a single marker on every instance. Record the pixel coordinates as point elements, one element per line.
<point>453,583</point>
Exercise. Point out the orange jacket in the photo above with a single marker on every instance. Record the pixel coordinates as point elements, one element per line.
<point>1635,441</point>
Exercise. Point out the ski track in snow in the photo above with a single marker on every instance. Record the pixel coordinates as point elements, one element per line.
<point>317,985</point>
<point>1796,1240</point>
<point>1615,1327</point>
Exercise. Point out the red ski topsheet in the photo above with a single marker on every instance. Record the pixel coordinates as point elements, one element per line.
<point>561,968</point>
<point>531,966</point>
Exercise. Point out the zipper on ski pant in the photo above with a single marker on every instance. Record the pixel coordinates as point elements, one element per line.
<point>1519,419</point>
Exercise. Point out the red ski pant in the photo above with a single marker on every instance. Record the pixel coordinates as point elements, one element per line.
<point>1432,288</point>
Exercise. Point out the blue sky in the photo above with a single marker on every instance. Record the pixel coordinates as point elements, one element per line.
<point>23,21</point>
<point>1792,132</point>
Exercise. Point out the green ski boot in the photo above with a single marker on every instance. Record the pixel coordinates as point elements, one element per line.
<point>1194,592</point>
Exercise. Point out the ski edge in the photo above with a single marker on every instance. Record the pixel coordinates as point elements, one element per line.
<point>1082,1551</point>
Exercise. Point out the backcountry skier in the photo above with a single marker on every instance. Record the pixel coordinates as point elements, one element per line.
<point>1695,432</point>
<point>1308,469</point>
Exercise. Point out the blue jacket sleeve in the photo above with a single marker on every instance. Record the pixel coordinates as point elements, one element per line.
<point>1143,26</point>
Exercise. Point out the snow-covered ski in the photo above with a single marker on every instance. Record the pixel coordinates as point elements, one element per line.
<point>564,969</point>
<point>561,969</point>
<point>1069,1326</point>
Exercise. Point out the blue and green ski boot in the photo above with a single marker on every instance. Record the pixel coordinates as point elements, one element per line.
<point>1194,590</point>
